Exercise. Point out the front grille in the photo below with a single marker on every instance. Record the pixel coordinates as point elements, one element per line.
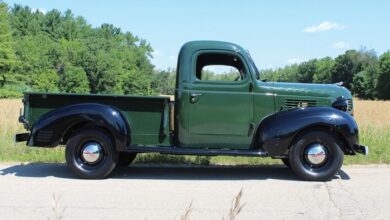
<point>298,103</point>
<point>350,106</point>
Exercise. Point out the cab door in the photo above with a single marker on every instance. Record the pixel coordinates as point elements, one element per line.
<point>220,101</point>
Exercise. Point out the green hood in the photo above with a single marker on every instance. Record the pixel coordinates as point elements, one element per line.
<point>331,91</point>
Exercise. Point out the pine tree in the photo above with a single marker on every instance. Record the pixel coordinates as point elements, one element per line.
<point>7,55</point>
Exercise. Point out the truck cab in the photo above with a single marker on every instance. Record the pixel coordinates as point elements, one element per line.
<point>308,126</point>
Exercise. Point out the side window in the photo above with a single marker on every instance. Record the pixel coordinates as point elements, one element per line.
<point>219,67</point>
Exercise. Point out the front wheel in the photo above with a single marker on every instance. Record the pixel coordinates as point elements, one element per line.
<point>316,156</point>
<point>91,154</point>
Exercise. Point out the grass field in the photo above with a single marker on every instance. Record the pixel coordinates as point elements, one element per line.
<point>373,118</point>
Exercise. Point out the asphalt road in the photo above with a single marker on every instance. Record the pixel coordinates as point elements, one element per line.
<point>151,192</point>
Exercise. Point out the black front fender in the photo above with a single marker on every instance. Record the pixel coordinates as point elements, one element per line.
<point>51,127</point>
<point>276,132</point>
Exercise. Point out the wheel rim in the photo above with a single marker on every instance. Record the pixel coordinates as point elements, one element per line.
<point>316,156</point>
<point>91,153</point>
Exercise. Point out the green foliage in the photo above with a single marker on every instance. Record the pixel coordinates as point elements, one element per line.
<point>360,71</point>
<point>384,76</point>
<point>7,56</point>
<point>360,81</point>
<point>323,73</point>
<point>73,80</point>
<point>163,82</point>
<point>25,22</point>
<point>6,94</point>
<point>230,75</point>
<point>306,71</point>
<point>286,74</point>
<point>344,68</point>
<point>45,81</point>
<point>59,52</point>
<point>349,65</point>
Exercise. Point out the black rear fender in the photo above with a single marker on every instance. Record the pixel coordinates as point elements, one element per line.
<point>54,126</point>
<point>276,132</point>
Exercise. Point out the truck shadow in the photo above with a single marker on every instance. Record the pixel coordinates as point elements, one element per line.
<point>167,172</point>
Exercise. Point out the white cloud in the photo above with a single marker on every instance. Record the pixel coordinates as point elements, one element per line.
<point>42,10</point>
<point>172,58</point>
<point>294,60</point>
<point>324,26</point>
<point>340,45</point>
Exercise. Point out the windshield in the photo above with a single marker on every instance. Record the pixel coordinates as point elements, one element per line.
<point>253,66</point>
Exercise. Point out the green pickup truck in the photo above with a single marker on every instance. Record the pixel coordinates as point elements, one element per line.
<point>308,126</point>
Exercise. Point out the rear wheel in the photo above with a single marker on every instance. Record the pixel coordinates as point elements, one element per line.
<point>91,154</point>
<point>125,159</point>
<point>316,156</point>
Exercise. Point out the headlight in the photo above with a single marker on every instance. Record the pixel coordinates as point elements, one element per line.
<point>341,103</point>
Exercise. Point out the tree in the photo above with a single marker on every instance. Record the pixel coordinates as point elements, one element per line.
<point>53,24</point>
<point>163,82</point>
<point>306,71</point>
<point>56,49</point>
<point>323,72</point>
<point>25,22</point>
<point>45,81</point>
<point>32,53</point>
<point>361,84</point>
<point>383,87</point>
<point>353,62</point>
<point>7,55</point>
<point>73,80</point>
<point>370,65</point>
<point>345,67</point>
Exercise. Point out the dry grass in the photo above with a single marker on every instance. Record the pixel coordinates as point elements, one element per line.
<point>57,209</point>
<point>9,126</point>
<point>372,113</point>
<point>373,118</point>
<point>235,207</point>
<point>187,212</point>
<point>9,113</point>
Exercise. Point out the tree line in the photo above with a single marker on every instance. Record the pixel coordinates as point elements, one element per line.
<point>365,74</point>
<point>60,52</point>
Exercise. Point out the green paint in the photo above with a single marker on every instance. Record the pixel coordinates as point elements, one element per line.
<point>224,115</point>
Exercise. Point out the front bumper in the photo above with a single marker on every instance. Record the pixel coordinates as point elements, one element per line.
<point>361,149</point>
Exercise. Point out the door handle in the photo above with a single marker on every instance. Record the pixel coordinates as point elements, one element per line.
<point>194,97</point>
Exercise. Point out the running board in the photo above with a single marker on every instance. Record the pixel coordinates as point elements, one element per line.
<point>191,151</point>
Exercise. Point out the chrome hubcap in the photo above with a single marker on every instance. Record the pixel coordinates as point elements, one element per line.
<point>316,154</point>
<point>91,152</point>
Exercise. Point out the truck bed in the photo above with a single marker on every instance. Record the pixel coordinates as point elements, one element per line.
<point>148,116</point>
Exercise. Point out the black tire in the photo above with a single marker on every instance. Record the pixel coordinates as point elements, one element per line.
<point>303,167</point>
<point>125,159</point>
<point>107,158</point>
<point>286,162</point>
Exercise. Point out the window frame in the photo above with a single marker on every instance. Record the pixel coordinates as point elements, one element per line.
<point>194,78</point>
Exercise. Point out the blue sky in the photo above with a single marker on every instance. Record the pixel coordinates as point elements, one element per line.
<point>276,32</point>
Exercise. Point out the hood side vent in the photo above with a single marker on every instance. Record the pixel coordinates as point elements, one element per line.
<point>299,103</point>
<point>350,106</point>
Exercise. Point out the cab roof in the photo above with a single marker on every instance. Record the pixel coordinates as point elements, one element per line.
<point>193,46</point>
